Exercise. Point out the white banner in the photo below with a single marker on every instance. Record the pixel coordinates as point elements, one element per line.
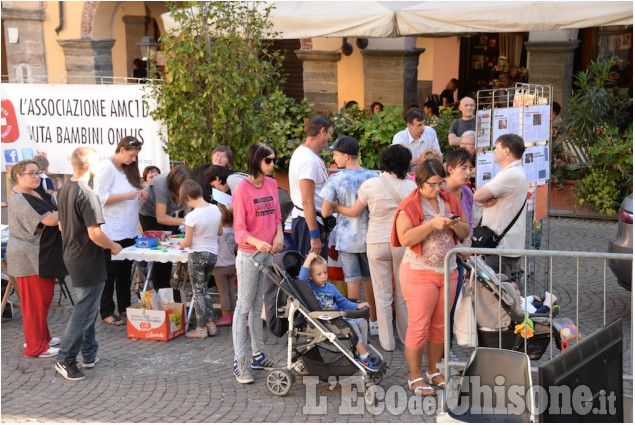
<point>62,117</point>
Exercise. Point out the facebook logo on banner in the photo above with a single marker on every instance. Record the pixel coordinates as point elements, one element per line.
<point>27,153</point>
<point>11,156</point>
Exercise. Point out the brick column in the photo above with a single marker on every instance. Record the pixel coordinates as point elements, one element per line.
<point>88,58</point>
<point>26,59</point>
<point>390,76</point>
<point>135,30</point>
<point>551,62</point>
<point>320,78</point>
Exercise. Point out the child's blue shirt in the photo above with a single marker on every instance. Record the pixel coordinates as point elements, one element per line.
<point>328,296</point>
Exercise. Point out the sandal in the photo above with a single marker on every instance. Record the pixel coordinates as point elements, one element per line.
<point>114,321</point>
<point>424,390</point>
<point>434,375</point>
<point>198,333</point>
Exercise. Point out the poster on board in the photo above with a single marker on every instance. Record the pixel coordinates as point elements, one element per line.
<point>536,123</point>
<point>483,128</point>
<point>17,141</point>
<point>62,117</point>
<point>506,121</point>
<point>535,162</point>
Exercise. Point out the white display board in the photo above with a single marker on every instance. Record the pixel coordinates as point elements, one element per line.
<point>62,117</point>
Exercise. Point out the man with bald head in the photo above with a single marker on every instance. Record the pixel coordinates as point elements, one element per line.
<point>465,123</point>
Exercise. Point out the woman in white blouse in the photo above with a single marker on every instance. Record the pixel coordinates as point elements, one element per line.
<point>117,184</point>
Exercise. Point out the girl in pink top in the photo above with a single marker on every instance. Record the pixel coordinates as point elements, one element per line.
<point>258,227</point>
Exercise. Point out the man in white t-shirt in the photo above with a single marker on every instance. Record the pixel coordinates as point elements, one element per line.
<point>307,175</point>
<point>417,136</point>
<point>503,197</point>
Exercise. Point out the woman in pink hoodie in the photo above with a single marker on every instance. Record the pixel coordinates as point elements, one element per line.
<point>258,227</point>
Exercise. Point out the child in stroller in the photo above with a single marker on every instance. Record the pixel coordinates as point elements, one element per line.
<point>314,271</point>
<point>319,342</point>
<point>500,308</point>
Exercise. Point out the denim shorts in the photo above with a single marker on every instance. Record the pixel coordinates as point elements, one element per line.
<point>355,266</point>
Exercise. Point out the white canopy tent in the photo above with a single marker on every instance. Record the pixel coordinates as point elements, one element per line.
<point>375,19</point>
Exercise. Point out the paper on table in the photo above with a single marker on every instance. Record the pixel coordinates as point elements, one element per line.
<point>221,197</point>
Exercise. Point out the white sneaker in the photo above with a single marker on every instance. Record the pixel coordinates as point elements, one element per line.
<point>51,352</point>
<point>373,328</point>
<point>90,365</point>
<point>53,342</point>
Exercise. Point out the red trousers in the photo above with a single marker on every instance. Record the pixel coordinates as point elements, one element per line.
<point>36,295</point>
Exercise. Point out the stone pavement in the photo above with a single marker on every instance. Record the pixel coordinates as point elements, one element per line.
<point>187,380</point>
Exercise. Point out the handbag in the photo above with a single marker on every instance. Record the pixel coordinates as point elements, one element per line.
<point>329,222</point>
<point>484,237</point>
<point>465,320</point>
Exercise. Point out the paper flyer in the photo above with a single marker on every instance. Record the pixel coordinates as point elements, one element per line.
<point>221,197</point>
<point>483,128</point>
<point>536,163</point>
<point>486,169</point>
<point>536,123</point>
<point>506,121</point>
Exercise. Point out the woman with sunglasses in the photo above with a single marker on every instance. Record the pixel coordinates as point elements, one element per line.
<point>117,184</point>
<point>429,222</point>
<point>34,255</point>
<point>258,228</point>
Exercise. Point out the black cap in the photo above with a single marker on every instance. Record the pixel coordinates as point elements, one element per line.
<point>347,145</point>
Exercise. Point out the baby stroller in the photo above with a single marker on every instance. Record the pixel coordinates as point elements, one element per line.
<point>496,326</point>
<point>320,343</point>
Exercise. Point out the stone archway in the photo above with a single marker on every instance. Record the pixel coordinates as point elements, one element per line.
<point>88,14</point>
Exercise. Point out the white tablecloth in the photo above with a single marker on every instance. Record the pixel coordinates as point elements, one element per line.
<point>173,254</point>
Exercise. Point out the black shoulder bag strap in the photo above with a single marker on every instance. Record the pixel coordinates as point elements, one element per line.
<point>513,221</point>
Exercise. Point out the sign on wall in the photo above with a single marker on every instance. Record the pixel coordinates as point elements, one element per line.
<point>62,117</point>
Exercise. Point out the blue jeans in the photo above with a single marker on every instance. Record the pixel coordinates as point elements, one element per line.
<point>80,331</point>
<point>249,304</point>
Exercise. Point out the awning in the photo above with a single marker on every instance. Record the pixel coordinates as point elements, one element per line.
<point>510,16</point>
<point>374,19</point>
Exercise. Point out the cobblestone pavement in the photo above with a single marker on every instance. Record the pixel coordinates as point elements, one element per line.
<point>186,380</point>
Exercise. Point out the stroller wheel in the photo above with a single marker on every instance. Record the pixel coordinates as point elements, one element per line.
<point>370,393</point>
<point>377,377</point>
<point>279,382</point>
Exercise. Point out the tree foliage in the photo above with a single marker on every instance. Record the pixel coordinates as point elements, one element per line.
<point>221,78</point>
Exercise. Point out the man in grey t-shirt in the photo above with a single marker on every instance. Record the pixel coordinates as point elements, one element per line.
<point>463,124</point>
<point>84,242</point>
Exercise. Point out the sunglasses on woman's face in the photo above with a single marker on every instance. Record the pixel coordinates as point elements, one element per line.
<point>268,161</point>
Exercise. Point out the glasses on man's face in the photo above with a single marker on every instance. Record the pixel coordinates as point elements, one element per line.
<point>32,174</point>
<point>435,185</point>
<point>268,160</point>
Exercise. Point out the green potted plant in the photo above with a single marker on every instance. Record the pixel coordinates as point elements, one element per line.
<point>599,123</point>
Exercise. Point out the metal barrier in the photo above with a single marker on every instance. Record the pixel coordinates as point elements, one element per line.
<point>524,254</point>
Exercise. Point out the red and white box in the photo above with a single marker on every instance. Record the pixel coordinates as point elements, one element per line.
<point>164,324</point>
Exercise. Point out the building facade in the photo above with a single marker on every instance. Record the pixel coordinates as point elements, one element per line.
<point>96,41</point>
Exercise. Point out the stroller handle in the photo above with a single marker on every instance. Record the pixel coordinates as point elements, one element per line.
<point>252,258</point>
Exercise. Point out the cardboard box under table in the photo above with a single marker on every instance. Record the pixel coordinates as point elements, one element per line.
<point>163,324</point>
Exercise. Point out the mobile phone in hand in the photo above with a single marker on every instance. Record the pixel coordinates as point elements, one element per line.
<point>454,216</point>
